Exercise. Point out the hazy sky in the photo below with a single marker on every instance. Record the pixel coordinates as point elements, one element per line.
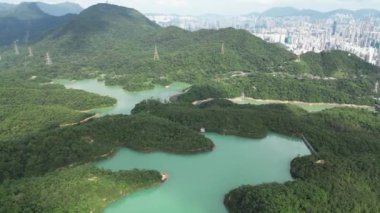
<point>225,6</point>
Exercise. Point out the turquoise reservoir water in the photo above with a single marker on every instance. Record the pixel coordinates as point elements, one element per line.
<point>197,183</point>
<point>126,101</point>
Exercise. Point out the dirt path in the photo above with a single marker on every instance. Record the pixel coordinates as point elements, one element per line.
<point>269,101</point>
<point>82,121</point>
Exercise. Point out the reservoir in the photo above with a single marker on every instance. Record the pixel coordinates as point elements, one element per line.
<point>197,183</point>
<point>126,100</point>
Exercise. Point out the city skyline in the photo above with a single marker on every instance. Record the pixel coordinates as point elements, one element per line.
<point>222,7</point>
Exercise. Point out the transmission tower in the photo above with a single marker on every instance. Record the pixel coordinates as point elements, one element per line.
<point>298,58</point>
<point>222,49</point>
<point>48,59</point>
<point>17,52</point>
<point>27,37</point>
<point>30,50</point>
<point>156,56</point>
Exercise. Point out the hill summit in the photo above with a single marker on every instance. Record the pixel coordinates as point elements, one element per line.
<point>25,11</point>
<point>108,19</point>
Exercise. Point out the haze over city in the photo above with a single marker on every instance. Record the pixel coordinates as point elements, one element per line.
<point>224,7</point>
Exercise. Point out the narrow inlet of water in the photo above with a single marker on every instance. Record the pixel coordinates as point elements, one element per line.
<point>197,183</point>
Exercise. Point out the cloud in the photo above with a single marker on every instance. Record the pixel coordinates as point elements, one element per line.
<point>224,6</point>
<point>172,3</point>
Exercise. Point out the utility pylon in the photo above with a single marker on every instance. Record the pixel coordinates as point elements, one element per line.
<point>17,52</point>
<point>156,56</point>
<point>298,58</point>
<point>48,59</point>
<point>27,37</point>
<point>242,94</point>
<point>30,50</point>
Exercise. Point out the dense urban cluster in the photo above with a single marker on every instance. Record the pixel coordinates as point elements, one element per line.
<point>300,31</point>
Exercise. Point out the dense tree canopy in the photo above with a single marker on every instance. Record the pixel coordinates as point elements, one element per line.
<point>29,105</point>
<point>80,189</point>
<point>60,147</point>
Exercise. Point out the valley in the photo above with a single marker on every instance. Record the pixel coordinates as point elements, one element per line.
<point>96,105</point>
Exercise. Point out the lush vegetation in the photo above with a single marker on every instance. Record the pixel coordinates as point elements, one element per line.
<point>32,180</point>
<point>214,119</point>
<point>80,189</point>
<point>55,148</point>
<point>280,87</point>
<point>28,105</point>
<point>34,148</point>
<point>51,94</point>
<point>278,198</point>
<point>345,184</point>
<point>336,64</point>
<point>117,44</point>
<point>19,121</point>
<point>341,177</point>
<point>26,23</point>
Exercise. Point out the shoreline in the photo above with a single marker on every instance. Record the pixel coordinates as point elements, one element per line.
<point>164,177</point>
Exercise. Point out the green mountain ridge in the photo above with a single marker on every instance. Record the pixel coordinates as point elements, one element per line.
<point>291,11</point>
<point>25,11</point>
<point>5,6</point>
<point>119,42</point>
<point>59,9</point>
<point>26,23</point>
<point>104,22</point>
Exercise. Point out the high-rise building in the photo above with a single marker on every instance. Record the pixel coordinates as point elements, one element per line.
<point>334,28</point>
<point>359,36</point>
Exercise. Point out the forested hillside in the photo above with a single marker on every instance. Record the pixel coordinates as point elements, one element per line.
<point>29,105</point>
<point>265,86</point>
<point>117,44</point>
<point>80,189</point>
<point>57,147</point>
<point>26,23</point>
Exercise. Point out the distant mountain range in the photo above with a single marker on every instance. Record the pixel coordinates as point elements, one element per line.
<point>50,9</point>
<point>5,7</point>
<point>60,9</point>
<point>64,8</point>
<point>27,22</point>
<point>290,11</point>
